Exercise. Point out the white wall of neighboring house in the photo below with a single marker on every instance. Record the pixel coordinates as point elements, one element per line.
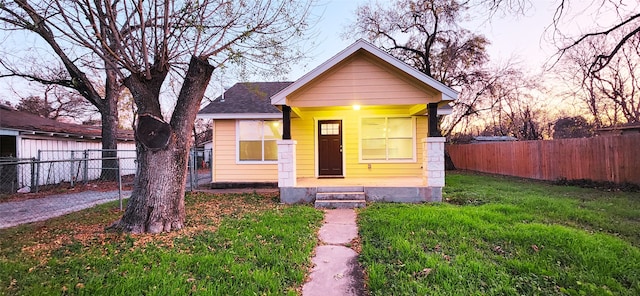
<point>53,148</point>
<point>207,155</point>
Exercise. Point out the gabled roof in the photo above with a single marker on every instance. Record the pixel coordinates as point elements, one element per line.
<point>31,124</point>
<point>245,100</point>
<point>448,94</point>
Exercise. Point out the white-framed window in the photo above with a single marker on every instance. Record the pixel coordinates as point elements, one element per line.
<point>387,139</point>
<point>257,140</point>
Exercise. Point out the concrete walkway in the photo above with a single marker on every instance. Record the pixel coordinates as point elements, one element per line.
<point>336,269</point>
<point>14,213</point>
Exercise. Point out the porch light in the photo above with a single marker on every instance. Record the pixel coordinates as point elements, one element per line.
<point>356,107</point>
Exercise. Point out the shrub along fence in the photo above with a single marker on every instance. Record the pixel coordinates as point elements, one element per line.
<point>605,158</point>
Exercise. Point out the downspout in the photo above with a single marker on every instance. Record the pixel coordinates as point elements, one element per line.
<point>213,148</point>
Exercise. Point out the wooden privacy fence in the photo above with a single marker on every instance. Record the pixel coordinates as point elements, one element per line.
<point>605,158</point>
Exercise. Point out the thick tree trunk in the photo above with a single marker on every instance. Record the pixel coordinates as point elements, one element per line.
<point>157,201</point>
<point>109,116</point>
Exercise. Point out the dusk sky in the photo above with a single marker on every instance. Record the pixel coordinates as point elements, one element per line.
<point>517,38</point>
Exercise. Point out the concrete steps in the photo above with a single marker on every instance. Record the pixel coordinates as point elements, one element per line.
<point>340,197</point>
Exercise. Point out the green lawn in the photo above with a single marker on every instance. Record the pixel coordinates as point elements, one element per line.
<point>504,236</point>
<point>494,236</point>
<point>232,245</point>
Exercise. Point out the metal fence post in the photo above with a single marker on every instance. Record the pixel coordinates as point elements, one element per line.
<point>71,176</point>
<point>194,169</point>
<point>37,171</point>
<point>85,171</point>
<point>119,183</point>
<point>189,169</point>
<point>33,174</point>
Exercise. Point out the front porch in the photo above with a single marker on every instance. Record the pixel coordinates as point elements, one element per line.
<point>426,187</point>
<point>336,191</point>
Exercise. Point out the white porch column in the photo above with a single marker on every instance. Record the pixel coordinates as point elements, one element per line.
<point>287,163</point>
<point>433,161</point>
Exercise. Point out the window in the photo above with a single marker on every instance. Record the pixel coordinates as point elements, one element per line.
<point>328,129</point>
<point>387,139</point>
<point>257,140</point>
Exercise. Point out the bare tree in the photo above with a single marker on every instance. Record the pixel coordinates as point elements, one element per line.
<point>621,31</point>
<point>148,40</point>
<point>40,19</point>
<point>57,103</point>
<point>36,105</point>
<point>127,113</point>
<point>618,83</point>
<point>611,94</point>
<point>622,25</point>
<point>507,103</point>
<point>478,98</point>
<point>426,35</point>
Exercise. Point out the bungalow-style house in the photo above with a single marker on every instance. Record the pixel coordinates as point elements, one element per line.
<point>361,126</point>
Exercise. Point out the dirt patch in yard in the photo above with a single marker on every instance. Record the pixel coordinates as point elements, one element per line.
<point>66,188</point>
<point>204,212</point>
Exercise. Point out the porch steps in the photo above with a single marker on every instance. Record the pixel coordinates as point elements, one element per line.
<point>340,197</point>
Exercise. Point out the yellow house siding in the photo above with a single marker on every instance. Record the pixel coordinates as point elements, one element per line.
<point>224,152</point>
<point>303,130</point>
<point>360,80</point>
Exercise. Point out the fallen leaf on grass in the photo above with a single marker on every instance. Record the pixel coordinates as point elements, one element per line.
<point>423,273</point>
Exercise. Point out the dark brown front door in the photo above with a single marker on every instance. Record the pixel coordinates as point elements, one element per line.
<point>330,148</point>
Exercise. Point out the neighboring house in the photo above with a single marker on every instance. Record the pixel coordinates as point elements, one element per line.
<point>22,134</point>
<point>362,122</point>
<point>26,136</point>
<point>625,129</point>
<point>489,139</point>
<point>203,143</point>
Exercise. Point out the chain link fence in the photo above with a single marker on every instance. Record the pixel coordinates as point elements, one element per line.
<point>55,171</point>
<point>200,170</point>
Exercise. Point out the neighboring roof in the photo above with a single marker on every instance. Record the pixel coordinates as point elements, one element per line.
<point>27,123</point>
<point>245,100</point>
<point>448,94</point>
<point>626,126</point>
<point>493,139</point>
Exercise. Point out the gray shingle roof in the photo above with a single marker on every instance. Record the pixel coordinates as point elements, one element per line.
<point>246,97</point>
<point>26,122</point>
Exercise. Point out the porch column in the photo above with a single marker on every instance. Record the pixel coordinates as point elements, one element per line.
<point>287,163</point>
<point>432,110</point>
<point>286,122</point>
<point>433,161</point>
